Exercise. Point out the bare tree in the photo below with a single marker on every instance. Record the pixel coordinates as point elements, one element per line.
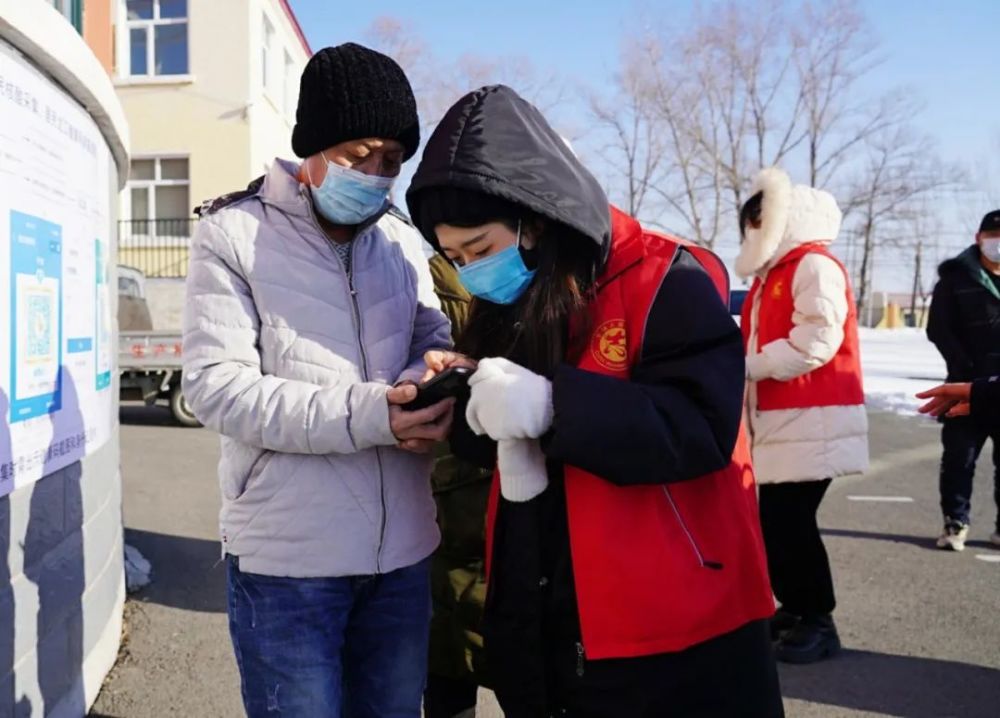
<point>895,183</point>
<point>403,43</point>
<point>400,41</point>
<point>744,57</point>
<point>438,84</point>
<point>696,113</point>
<point>986,176</point>
<point>633,147</point>
<point>925,230</point>
<point>834,50</point>
<point>691,182</point>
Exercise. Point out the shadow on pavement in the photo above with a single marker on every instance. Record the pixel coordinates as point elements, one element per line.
<point>896,685</point>
<point>187,573</point>
<point>927,542</point>
<point>142,415</point>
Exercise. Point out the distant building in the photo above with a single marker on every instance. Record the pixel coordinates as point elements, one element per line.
<point>209,88</point>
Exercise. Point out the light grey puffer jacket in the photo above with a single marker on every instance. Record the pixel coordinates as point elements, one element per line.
<point>289,358</point>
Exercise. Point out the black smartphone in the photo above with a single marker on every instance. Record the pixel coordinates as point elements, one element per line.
<point>452,382</point>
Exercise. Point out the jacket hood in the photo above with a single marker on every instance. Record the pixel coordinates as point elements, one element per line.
<point>494,142</point>
<point>790,217</point>
<point>968,261</point>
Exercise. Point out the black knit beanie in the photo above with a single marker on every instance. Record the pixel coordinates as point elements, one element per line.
<point>350,92</point>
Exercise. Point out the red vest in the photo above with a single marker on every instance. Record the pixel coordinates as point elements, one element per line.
<point>658,568</point>
<point>838,382</point>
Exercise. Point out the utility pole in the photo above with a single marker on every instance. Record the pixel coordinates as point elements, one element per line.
<point>916,283</point>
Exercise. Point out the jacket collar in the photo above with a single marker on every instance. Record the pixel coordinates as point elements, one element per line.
<point>789,251</point>
<point>971,260</point>
<point>627,248</point>
<point>282,189</point>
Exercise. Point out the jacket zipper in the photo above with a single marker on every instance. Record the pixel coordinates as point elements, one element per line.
<point>364,374</point>
<point>715,565</point>
<point>581,657</point>
<point>755,346</point>
<point>356,315</point>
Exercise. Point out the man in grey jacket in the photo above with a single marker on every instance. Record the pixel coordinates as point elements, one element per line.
<point>309,310</point>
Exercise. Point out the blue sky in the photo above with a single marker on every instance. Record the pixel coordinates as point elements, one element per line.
<point>944,53</point>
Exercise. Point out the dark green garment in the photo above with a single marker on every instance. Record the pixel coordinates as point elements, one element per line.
<point>972,260</point>
<point>461,490</point>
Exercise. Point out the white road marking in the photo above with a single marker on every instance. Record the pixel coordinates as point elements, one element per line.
<point>989,557</point>
<point>884,499</point>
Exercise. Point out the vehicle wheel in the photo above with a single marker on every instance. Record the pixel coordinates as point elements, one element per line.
<point>180,409</point>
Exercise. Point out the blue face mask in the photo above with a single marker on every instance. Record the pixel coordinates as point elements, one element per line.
<point>501,278</point>
<point>348,197</point>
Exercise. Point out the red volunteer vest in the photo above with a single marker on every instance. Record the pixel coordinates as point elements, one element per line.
<point>657,568</point>
<point>837,383</point>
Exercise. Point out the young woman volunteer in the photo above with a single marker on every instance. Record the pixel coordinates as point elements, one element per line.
<point>805,397</point>
<point>627,570</point>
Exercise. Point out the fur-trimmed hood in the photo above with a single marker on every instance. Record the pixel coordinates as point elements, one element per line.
<point>790,216</point>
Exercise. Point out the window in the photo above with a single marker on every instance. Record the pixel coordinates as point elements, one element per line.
<point>157,37</point>
<point>72,10</point>
<point>268,78</point>
<point>159,191</point>
<point>290,85</point>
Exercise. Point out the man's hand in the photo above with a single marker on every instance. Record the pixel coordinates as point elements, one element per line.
<point>438,360</point>
<point>418,431</point>
<point>949,400</point>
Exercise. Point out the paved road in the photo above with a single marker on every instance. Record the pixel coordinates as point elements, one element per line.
<point>921,627</point>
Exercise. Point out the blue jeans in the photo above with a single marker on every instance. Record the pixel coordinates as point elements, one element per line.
<point>351,647</point>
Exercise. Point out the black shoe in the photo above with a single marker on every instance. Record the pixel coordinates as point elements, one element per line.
<point>781,623</point>
<point>811,640</point>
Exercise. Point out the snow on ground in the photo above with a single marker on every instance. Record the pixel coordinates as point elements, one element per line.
<point>897,364</point>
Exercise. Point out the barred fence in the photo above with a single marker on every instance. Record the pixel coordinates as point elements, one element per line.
<point>156,247</point>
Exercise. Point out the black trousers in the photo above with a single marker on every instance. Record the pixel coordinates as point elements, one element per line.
<point>447,697</point>
<point>731,676</point>
<point>796,558</point>
<point>963,440</point>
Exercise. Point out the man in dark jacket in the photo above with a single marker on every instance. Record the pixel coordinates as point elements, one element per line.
<point>965,326</point>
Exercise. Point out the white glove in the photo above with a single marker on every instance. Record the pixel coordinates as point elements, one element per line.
<point>523,475</point>
<point>508,401</point>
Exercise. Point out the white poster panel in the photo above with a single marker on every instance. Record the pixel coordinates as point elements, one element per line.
<point>56,328</point>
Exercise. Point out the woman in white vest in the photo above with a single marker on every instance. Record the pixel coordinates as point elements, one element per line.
<point>805,398</point>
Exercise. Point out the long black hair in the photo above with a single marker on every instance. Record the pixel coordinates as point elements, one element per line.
<point>750,213</point>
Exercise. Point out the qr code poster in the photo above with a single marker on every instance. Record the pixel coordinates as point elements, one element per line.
<point>103,337</point>
<point>58,336</point>
<point>36,284</point>
<point>40,305</point>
